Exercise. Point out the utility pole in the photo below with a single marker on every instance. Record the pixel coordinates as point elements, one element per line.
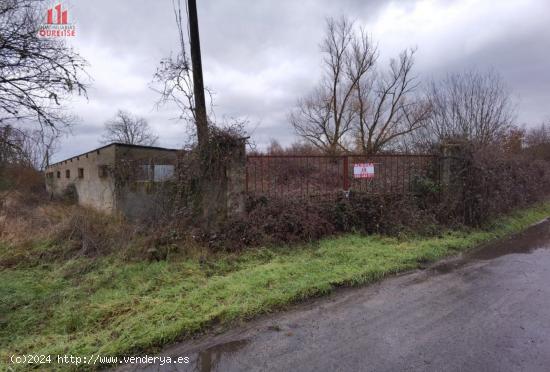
<point>198,84</point>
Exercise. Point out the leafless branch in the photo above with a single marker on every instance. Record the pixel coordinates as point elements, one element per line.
<point>472,106</point>
<point>129,129</point>
<point>325,117</point>
<point>36,74</point>
<point>173,79</point>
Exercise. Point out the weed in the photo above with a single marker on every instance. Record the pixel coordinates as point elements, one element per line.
<point>110,306</point>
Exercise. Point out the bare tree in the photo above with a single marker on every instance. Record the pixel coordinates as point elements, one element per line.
<point>39,146</point>
<point>537,141</point>
<point>129,129</point>
<point>36,74</point>
<point>275,148</point>
<point>538,135</point>
<point>354,100</point>
<point>472,106</point>
<point>387,106</point>
<point>27,146</point>
<point>12,146</point>
<point>325,117</point>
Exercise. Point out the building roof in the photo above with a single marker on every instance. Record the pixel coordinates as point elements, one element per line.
<point>114,144</point>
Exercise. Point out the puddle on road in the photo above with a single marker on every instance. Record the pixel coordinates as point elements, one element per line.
<point>447,267</point>
<point>217,357</point>
<point>533,238</point>
<point>209,359</point>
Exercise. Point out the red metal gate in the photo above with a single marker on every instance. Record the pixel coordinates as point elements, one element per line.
<point>293,176</point>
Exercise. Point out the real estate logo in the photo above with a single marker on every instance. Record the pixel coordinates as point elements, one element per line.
<point>57,23</point>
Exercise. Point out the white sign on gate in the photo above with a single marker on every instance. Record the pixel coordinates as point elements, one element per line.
<point>363,170</point>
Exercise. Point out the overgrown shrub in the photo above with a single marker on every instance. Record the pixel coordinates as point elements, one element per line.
<point>69,195</point>
<point>484,183</point>
<point>26,181</point>
<point>87,233</point>
<point>390,214</point>
<point>271,222</point>
<point>279,221</point>
<point>489,181</point>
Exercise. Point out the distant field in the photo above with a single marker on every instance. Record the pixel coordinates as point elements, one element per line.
<point>114,307</point>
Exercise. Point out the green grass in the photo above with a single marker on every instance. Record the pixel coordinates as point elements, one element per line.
<point>110,307</point>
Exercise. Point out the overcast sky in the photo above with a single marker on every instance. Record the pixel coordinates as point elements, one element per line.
<point>259,56</point>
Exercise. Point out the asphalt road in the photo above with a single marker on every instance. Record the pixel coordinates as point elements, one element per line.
<point>486,311</point>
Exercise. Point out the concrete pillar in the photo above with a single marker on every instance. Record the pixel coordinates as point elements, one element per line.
<point>236,180</point>
<point>452,158</point>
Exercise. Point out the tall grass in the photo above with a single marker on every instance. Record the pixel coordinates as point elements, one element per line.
<point>112,306</point>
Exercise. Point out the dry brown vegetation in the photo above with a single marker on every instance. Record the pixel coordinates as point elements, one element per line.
<point>35,230</point>
<point>40,230</point>
<point>486,183</point>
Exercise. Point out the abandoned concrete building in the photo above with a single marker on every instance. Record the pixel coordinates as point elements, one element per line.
<point>95,177</point>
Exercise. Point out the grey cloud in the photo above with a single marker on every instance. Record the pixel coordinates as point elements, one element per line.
<point>259,56</point>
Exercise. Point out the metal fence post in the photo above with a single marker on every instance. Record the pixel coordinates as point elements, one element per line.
<point>346,173</point>
<point>246,175</point>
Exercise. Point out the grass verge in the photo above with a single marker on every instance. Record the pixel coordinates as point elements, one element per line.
<point>109,307</point>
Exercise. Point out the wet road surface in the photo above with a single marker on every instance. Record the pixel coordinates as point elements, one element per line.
<point>488,310</point>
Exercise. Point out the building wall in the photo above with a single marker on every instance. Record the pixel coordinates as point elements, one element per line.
<point>140,198</point>
<point>154,154</point>
<point>94,188</point>
<point>95,184</point>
